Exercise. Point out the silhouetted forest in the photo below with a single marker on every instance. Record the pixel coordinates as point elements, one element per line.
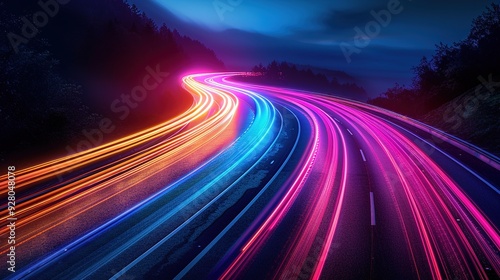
<point>290,75</point>
<point>60,73</point>
<point>451,71</point>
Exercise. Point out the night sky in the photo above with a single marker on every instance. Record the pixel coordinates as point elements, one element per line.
<point>245,33</point>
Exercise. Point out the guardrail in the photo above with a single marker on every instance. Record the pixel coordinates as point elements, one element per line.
<point>473,150</point>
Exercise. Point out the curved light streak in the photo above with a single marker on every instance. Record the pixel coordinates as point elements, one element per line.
<point>425,200</point>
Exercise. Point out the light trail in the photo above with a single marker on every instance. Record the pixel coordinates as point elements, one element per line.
<point>95,189</point>
<point>429,211</point>
<point>232,147</point>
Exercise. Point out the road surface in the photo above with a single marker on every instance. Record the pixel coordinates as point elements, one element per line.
<point>259,182</point>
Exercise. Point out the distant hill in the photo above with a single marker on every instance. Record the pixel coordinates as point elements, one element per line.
<point>296,76</point>
<point>339,75</point>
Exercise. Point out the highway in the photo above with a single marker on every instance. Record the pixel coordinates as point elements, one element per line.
<point>260,182</point>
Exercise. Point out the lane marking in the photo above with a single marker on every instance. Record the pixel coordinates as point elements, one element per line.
<point>336,120</point>
<point>195,215</point>
<point>349,131</point>
<point>372,209</point>
<point>272,162</point>
<point>243,212</point>
<point>362,154</point>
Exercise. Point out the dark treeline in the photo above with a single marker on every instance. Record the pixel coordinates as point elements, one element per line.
<point>65,75</point>
<point>289,75</point>
<point>451,71</point>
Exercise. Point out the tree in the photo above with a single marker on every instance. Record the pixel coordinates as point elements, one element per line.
<point>486,27</point>
<point>259,69</point>
<point>134,10</point>
<point>453,69</point>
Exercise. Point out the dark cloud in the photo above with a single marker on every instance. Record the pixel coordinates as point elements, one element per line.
<point>314,30</point>
<point>343,20</point>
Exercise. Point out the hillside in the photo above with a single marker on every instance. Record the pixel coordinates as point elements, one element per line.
<point>77,68</point>
<point>473,116</point>
<point>451,70</point>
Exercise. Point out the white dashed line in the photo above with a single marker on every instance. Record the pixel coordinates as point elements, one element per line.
<point>362,154</point>
<point>372,209</point>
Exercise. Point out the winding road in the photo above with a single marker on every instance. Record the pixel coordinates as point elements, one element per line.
<point>260,182</point>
